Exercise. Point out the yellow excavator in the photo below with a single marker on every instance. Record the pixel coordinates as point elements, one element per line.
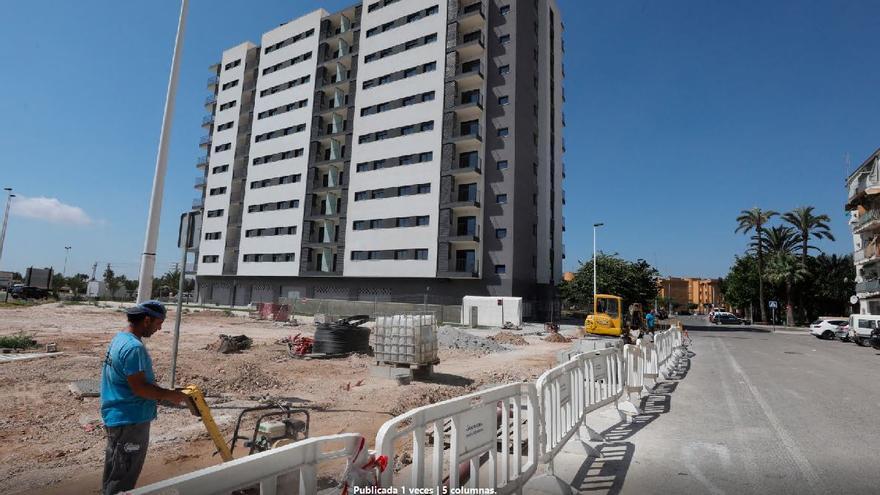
<point>607,317</point>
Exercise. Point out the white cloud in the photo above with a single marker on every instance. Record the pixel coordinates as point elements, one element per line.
<point>50,210</point>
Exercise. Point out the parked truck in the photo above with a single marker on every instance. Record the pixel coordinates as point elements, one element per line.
<point>37,284</point>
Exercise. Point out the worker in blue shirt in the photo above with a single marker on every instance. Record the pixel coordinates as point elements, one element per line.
<point>128,397</point>
<point>649,320</point>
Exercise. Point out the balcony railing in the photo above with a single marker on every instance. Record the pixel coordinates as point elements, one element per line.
<point>868,286</point>
<point>205,140</point>
<point>200,182</point>
<point>198,204</point>
<point>213,81</point>
<point>208,120</point>
<point>202,161</point>
<point>866,218</point>
<point>210,100</point>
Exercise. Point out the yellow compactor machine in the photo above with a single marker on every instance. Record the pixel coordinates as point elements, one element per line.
<point>607,317</point>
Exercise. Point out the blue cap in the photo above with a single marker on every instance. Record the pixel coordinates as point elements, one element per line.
<point>151,308</point>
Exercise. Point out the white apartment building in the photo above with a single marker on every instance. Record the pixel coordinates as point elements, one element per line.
<point>393,148</point>
<point>864,204</point>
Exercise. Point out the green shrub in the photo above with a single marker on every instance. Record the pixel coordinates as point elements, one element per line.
<point>17,341</point>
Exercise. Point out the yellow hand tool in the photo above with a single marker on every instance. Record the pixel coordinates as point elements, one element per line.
<point>199,407</point>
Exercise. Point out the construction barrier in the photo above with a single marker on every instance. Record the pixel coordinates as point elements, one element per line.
<point>294,467</point>
<point>562,395</point>
<point>492,438</point>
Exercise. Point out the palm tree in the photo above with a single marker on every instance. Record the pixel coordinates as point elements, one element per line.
<point>784,268</point>
<point>755,219</point>
<point>778,240</point>
<point>805,225</point>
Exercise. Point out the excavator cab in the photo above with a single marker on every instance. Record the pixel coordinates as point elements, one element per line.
<point>607,317</point>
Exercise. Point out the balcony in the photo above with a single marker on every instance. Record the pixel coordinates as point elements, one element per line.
<point>208,121</point>
<point>864,182</point>
<point>867,222</point>
<point>198,203</point>
<point>466,106</point>
<point>210,102</point>
<point>465,234</point>
<point>215,68</point>
<point>202,161</point>
<point>868,287</point>
<point>464,135</point>
<point>462,269</point>
<point>205,141</point>
<point>465,200</point>
<point>200,182</point>
<point>468,46</point>
<point>468,73</point>
<point>463,168</point>
<point>213,81</point>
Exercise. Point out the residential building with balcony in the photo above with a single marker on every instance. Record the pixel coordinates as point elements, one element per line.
<point>393,148</point>
<point>702,294</point>
<point>863,203</point>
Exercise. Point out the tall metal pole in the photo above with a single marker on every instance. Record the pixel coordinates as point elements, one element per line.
<point>66,253</point>
<point>595,226</point>
<point>148,259</point>
<point>9,197</point>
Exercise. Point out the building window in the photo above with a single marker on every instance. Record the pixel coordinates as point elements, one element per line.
<point>234,63</point>
<point>503,132</point>
<point>504,9</point>
<point>210,258</point>
<point>215,213</point>
<point>220,169</point>
<point>503,100</point>
<point>500,233</point>
<point>501,164</point>
<point>422,220</point>
<point>500,269</point>
<point>501,199</point>
<point>504,69</point>
<point>212,236</point>
<point>217,191</point>
<point>421,254</point>
<point>504,39</point>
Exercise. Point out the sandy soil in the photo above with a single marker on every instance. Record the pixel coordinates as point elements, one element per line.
<point>53,442</point>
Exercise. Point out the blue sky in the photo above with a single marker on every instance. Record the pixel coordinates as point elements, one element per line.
<point>680,114</point>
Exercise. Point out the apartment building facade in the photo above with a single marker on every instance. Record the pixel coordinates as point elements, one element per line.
<point>704,293</point>
<point>394,148</point>
<point>863,203</point>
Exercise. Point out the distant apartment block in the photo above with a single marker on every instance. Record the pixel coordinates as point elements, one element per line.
<point>391,149</point>
<point>863,203</point>
<point>705,293</point>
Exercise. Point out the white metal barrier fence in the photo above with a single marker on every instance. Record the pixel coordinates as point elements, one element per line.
<point>498,427</point>
<point>488,439</point>
<point>289,469</point>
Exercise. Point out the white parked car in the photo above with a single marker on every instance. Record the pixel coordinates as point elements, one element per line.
<point>861,327</point>
<point>827,327</point>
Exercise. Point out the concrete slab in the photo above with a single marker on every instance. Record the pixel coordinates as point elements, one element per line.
<point>85,388</point>
<point>8,358</point>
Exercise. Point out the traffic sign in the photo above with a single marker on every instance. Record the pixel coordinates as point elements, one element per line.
<point>772,304</point>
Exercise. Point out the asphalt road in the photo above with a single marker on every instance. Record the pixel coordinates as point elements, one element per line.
<point>755,412</point>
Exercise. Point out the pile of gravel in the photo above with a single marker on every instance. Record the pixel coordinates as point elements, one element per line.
<point>453,338</point>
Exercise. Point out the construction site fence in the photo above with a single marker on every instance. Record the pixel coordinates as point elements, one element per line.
<point>494,438</point>
<point>291,468</point>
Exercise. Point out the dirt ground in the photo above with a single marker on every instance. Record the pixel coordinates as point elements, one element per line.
<point>52,442</point>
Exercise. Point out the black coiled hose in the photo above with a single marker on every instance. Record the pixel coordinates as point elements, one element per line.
<point>343,336</point>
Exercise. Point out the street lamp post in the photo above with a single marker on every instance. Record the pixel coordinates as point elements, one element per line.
<point>64,270</point>
<point>9,197</point>
<point>148,258</point>
<point>595,226</point>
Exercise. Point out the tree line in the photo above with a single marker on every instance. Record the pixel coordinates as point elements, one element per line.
<point>782,256</point>
<point>634,281</point>
<point>162,286</point>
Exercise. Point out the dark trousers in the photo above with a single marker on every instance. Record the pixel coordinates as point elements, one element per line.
<point>124,456</point>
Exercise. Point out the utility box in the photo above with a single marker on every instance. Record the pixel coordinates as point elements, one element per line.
<point>409,338</point>
<point>95,289</point>
<point>491,311</point>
